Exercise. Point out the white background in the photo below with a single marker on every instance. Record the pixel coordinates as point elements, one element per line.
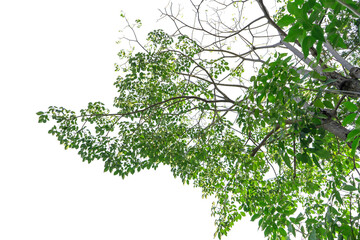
<point>63,53</point>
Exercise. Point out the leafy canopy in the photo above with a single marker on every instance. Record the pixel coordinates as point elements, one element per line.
<point>258,109</point>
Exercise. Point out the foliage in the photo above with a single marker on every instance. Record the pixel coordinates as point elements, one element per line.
<point>278,142</point>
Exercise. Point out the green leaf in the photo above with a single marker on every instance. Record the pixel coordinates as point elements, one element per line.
<point>328,104</point>
<point>303,157</point>
<point>290,212</point>
<point>292,8</point>
<point>330,81</point>
<point>282,231</point>
<point>349,119</point>
<point>271,98</point>
<point>291,229</point>
<point>333,210</point>
<point>310,221</point>
<point>318,103</point>
<point>311,3</point>
<point>166,113</point>
<point>315,160</point>
<point>255,216</point>
<point>268,230</point>
<point>299,218</point>
<point>318,33</point>
<point>329,70</point>
<point>351,135</point>
<point>350,106</point>
<point>349,188</point>
<point>307,44</point>
<point>322,153</point>
<point>328,3</point>
<point>338,197</point>
<point>354,146</point>
<point>287,160</point>
<point>319,48</point>
<point>312,235</point>
<point>40,113</point>
<point>337,41</point>
<point>285,21</point>
<point>293,34</point>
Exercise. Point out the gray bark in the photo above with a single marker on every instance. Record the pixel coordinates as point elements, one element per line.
<point>337,56</point>
<point>348,86</point>
<point>349,7</point>
<point>337,129</point>
<point>301,56</point>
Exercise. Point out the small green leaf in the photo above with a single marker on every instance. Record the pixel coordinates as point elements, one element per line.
<point>307,44</point>
<point>303,157</point>
<point>318,104</point>
<point>291,229</point>
<point>271,98</point>
<point>315,160</point>
<point>351,135</point>
<point>268,230</point>
<point>255,216</point>
<point>311,3</point>
<point>322,153</point>
<point>318,50</point>
<point>286,20</point>
<point>318,33</point>
<point>329,70</point>
<point>293,34</point>
<point>354,146</point>
<point>310,221</point>
<point>299,218</point>
<point>350,106</point>
<point>333,210</point>
<point>282,232</point>
<point>337,41</point>
<point>292,8</point>
<point>287,160</point>
<point>330,81</point>
<point>349,188</point>
<point>349,119</point>
<point>328,104</point>
<point>40,113</point>
<point>338,197</point>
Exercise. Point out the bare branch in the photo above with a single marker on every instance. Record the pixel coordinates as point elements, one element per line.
<point>337,56</point>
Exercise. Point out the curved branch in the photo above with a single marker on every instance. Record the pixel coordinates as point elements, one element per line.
<point>154,105</point>
<point>219,84</point>
<point>279,29</point>
<point>263,142</point>
<point>349,7</point>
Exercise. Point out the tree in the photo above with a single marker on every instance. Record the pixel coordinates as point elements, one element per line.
<point>259,109</point>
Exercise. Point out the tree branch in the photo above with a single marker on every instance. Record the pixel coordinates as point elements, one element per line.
<point>263,142</point>
<point>337,129</point>
<point>337,56</point>
<point>154,105</point>
<point>349,7</point>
